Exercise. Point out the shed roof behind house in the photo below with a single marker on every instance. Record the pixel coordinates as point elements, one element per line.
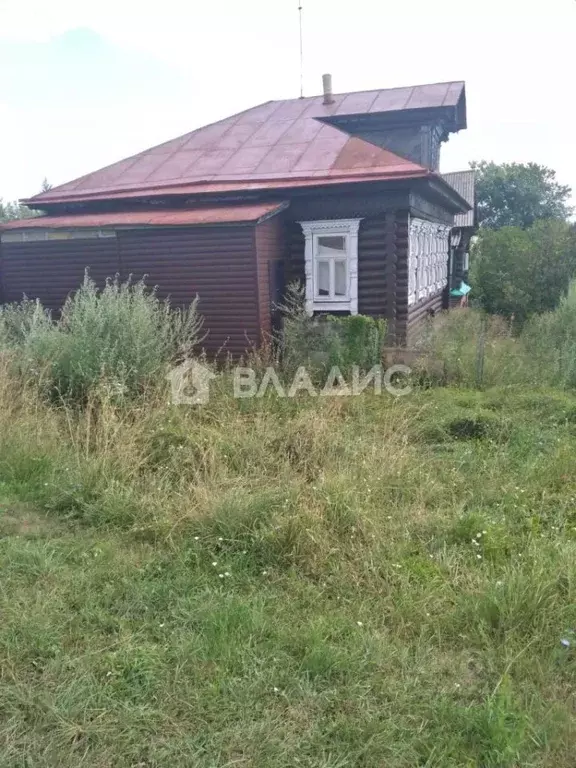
<point>464,183</point>
<point>278,140</point>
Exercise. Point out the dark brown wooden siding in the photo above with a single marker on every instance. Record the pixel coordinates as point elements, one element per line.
<point>50,270</point>
<point>216,263</point>
<point>270,249</point>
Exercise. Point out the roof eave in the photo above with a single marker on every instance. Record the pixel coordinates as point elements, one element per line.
<point>255,185</point>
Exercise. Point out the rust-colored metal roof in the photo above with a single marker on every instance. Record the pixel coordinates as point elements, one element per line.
<point>391,173</point>
<point>273,142</point>
<point>230,214</point>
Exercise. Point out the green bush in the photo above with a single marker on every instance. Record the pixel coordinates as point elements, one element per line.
<point>319,343</point>
<point>521,272</point>
<point>123,334</point>
<point>20,323</point>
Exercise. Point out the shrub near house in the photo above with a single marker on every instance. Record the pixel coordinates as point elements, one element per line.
<point>123,336</point>
<point>521,272</point>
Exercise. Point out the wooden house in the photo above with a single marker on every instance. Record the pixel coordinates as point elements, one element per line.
<point>339,191</point>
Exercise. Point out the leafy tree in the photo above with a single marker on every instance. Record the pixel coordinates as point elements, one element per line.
<point>520,272</point>
<point>11,210</point>
<point>14,210</point>
<point>516,195</point>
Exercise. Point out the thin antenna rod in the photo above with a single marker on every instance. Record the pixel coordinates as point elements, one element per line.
<point>301,53</point>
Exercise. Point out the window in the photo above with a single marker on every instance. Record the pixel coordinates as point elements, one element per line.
<point>427,259</point>
<point>331,256</point>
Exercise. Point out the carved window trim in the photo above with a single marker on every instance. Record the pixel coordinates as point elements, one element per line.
<point>348,228</point>
<point>428,256</point>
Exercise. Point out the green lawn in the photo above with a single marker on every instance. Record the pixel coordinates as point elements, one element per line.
<point>330,583</point>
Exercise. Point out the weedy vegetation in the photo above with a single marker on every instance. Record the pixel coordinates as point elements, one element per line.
<point>274,582</point>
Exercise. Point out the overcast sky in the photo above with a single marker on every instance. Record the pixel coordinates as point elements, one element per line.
<point>86,83</point>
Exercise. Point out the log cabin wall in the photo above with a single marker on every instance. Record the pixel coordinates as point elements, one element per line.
<point>382,251</point>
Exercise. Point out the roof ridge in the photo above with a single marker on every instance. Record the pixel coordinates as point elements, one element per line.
<point>366,90</point>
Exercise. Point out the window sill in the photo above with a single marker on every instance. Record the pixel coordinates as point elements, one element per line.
<point>330,306</point>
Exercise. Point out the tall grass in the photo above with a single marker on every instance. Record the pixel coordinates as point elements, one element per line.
<point>271,582</point>
<point>551,341</point>
<point>277,582</point>
<point>123,334</point>
<point>475,349</point>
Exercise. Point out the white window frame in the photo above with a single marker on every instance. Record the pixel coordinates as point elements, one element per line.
<point>348,229</point>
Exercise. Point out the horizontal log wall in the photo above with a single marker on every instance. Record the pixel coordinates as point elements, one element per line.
<point>420,313</point>
<point>382,268</point>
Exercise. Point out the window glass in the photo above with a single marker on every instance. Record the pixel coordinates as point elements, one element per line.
<point>323,278</point>
<point>331,245</point>
<point>340,278</point>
